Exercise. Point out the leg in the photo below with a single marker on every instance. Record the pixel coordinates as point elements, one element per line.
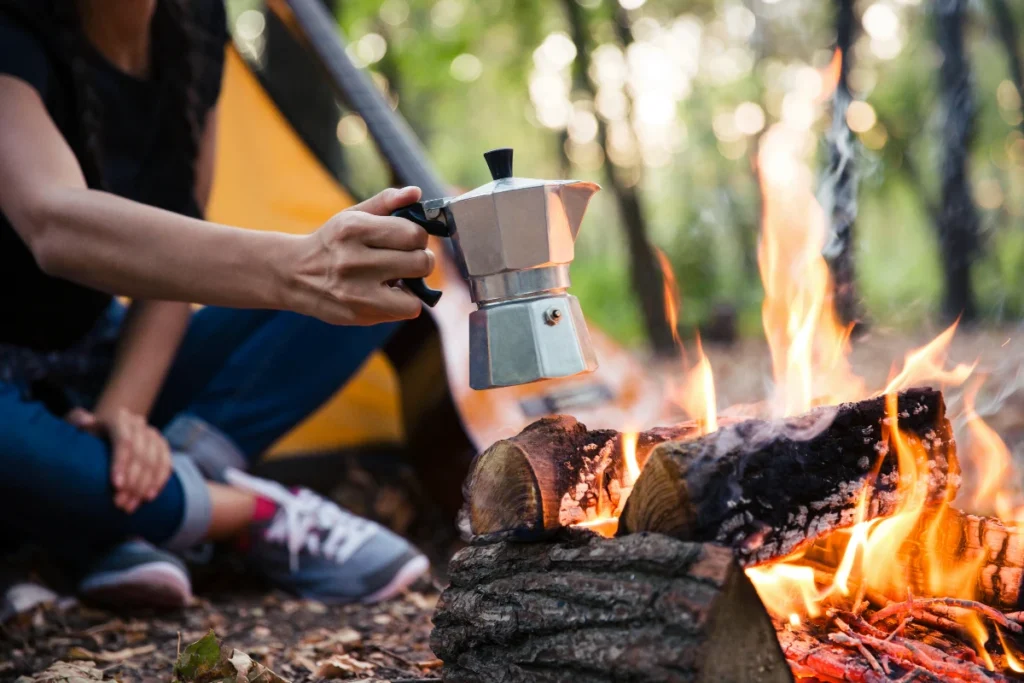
<point>55,481</point>
<point>254,375</point>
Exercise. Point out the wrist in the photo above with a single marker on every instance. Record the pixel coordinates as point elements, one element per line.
<point>290,265</point>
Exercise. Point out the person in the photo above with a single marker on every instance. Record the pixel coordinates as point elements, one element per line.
<point>126,429</point>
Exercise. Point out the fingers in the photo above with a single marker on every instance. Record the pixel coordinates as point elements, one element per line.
<point>387,232</point>
<point>141,463</point>
<point>82,418</point>
<point>397,304</point>
<point>396,265</point>
<point>383,203</point>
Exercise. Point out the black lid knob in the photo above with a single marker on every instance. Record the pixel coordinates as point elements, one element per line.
<point>500,162</point>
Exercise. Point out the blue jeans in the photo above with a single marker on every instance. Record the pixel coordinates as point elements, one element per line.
<point>252,375</point>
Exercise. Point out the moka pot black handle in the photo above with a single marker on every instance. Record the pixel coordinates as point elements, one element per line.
<point>434,226</point>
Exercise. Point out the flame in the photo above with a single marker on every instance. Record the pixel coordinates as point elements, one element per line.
<point>926,365</point>
<point>671,295</point>
<point>878,552</point>
<point>629,440</point>
<point>830,75</point>
<point>809,347</point>
<point>696,394</point>
<point>1012,658</point>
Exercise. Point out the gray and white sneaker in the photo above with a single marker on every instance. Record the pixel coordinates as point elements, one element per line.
<point>138,574</point>
<point>310,546</point>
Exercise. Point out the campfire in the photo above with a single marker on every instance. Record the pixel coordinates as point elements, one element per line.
<point>824,534</point>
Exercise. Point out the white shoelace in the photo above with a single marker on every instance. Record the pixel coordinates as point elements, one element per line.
<point>307,521</point>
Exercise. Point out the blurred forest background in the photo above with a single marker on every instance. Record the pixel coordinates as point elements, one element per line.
<point>663,103</point>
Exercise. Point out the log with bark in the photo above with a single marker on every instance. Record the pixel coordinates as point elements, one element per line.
<point>583,608</point>
<point>947,539</point>
<point>770,488</point>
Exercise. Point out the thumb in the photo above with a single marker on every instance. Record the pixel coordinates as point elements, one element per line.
<point>383,203</point>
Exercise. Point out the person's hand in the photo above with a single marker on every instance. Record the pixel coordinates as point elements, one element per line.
<point>347,269</point>
<point>141,458</point>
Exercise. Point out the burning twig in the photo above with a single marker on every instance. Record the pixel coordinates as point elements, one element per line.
<point>941,607</point>
<point>925,656</point>
<point>860,647</point>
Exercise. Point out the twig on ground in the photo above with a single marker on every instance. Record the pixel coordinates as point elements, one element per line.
<point>938,606</point>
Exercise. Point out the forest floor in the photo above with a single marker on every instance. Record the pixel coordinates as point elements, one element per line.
<point>390,641</point>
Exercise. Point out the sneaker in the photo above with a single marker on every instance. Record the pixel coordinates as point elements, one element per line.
<point>309,546</point>
<point>138,574</point>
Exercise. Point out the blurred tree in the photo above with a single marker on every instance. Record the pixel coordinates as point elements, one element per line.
<point>838,190</point>
<point>646,276</point>
<point>958,218</point>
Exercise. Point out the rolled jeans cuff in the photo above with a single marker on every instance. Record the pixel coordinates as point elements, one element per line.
<point>211,450</point>
<point>195,523</point>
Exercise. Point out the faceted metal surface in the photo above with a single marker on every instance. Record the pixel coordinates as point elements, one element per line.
<point>526,340</point>
<point>517,224</point>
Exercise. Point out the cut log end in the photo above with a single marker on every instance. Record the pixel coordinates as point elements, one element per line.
<point>519,487</point>
<point>583,608</point>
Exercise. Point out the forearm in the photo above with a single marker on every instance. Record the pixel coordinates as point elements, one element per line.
<point>149,340</point>
<point>127,248</point>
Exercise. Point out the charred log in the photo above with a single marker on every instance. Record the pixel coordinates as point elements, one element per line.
<point>947,539</point>
<point>770,488</point>
<point>516,487</point>
<point>584,608</point>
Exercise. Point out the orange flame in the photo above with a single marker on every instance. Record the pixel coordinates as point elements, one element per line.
<point>926,364</point>
<point>629,457</point>
<point>808,345</point>
<point>696,395</point>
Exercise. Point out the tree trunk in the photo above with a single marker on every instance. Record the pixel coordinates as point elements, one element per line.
<point>838,190</point>
<point>587,609</point>
<point>769,489</point>
<point>643,266</point>
<point>958,218</point>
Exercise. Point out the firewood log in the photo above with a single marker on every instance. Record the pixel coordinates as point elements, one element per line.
<point>515,488</point>
<point>947,540</point>
<point>581,608</point>
<point>769,488</point>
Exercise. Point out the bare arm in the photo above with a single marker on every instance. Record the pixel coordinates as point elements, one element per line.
<point>340,273</point>
<point>153,330</point>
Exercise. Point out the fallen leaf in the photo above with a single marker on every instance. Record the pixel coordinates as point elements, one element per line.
<point>66,672</point>
<point>198,659</point>
<point>249,671</point>
<point>204,661</point>
<point>339,666</point>
<point>381,619</point>
<point>422,601</point>
<point>430,664</point>
<point>110,657</point>
<point>314,607</point>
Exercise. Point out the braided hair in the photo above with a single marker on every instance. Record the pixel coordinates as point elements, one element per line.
<point>178,59</point>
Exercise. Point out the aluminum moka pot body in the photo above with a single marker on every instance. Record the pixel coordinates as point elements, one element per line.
<point>514,240</point>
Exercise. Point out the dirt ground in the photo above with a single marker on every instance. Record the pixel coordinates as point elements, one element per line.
<point>390,642</point>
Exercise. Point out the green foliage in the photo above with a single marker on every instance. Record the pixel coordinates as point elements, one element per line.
<point>462,69</point>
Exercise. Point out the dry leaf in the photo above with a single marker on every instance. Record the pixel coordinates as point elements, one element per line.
<point>110,657</point>
<point>338,666</point>
<point>421,601</point>
<point>66,672</point>
<point>430,664</point>
<point>314,607</point>
<point>381,619</point>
